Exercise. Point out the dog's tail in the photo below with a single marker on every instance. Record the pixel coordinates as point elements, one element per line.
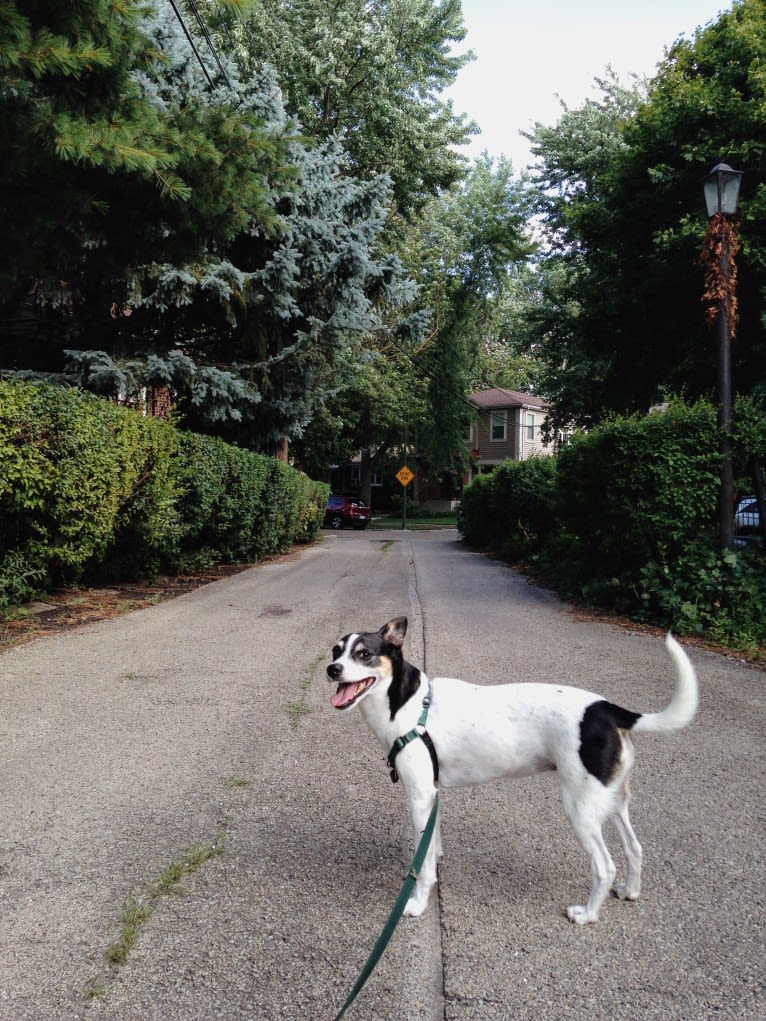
<point>685,699</point>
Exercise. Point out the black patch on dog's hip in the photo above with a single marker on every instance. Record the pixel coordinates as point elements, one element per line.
<point>600,741</point>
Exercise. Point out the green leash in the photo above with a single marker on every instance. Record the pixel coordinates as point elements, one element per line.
<point>398,909</point>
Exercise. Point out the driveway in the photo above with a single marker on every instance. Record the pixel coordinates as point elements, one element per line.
<point>184,758</point>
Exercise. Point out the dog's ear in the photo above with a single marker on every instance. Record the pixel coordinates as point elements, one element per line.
<point>394,631</point>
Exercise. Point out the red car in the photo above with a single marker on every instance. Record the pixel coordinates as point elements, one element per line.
<point>346,510</point>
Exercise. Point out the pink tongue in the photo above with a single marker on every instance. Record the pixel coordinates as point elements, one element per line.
<point>344,695</point>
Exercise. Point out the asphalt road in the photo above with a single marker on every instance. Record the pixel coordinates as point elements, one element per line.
<point>204,723</point>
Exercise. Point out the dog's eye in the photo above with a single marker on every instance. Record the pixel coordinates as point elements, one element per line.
<point>364,654</point>
<point>336,651</point>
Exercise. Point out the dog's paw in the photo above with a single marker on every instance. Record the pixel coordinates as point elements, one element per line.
<point>415,906</point>
<point>580,915</point>
<point>622,891</point>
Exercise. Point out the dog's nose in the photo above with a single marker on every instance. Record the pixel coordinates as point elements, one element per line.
<point>334,670</point>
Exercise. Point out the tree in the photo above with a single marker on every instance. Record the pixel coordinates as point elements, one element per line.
<point>622,323</point>
<point>371,72</point>
<point>257,281</point>
<point>471,249</point>
<point>506,355</point>
<point>464,250</point>
<point>103,171</point>
<point>281,313</point>
<point>574,161</point>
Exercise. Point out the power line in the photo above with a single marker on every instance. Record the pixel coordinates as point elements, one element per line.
<point>188,35</point>
<point>210,45</point>
<point>209,42</point>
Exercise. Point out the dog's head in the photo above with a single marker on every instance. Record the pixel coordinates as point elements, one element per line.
<point>362,661</point>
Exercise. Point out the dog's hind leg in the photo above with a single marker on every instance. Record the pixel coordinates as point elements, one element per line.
<point>587,815</point>
<point>631,888</point>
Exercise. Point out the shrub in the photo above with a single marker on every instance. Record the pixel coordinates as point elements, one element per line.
<point>635,491</point>
<point>75,472</point>
<point>88,488</point>
<point>628,520</point>
<point>217,507</point>
<point>235,505</point>
<point>513,510</point>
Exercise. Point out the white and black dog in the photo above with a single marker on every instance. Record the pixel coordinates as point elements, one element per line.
<point>468,734</point>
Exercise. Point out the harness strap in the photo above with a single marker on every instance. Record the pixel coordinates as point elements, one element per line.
<point>411,735</point>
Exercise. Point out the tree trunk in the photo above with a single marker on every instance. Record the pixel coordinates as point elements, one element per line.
<point>366,477</point>
<point>281,449</point>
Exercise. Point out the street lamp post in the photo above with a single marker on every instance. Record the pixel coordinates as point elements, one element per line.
<point>722,197</point>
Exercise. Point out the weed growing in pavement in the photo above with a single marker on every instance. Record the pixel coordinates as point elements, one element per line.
<point>139,910</point>
<point>238,781</point>
<point>297,711</point>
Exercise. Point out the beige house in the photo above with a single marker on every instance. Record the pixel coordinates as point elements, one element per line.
<point>508,427</point>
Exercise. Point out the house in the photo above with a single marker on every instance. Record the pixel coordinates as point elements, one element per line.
<point>508,427</point>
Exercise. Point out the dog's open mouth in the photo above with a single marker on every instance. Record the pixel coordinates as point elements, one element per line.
<point>347,694</point>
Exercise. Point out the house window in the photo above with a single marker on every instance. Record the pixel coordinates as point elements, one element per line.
<point>530,427</point>
<point>497,426</point>
<point>356,477</point>
<point>376,479</point>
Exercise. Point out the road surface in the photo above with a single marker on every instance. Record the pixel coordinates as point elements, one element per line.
<point>201,728</point>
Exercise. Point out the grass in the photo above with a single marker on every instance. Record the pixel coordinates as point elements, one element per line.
<point>298,711</point>
<point>139,910</point>
<point>238,781</point>
<point>415,523</point>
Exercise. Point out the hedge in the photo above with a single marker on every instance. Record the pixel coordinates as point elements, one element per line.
<point>87,488</point>
<point>625,518</point>
<point>512,510</point>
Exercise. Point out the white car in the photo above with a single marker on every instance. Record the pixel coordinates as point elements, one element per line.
<point>747,520</point>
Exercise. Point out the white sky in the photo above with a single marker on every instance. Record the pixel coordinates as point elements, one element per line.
<point>529,53</point>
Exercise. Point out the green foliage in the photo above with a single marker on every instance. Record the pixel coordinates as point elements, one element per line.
<point>237,506</point>
<point>371,72</point>
<point>407,384</point>
<point>706,592</point>
<point>621,322</point>
<point>77,477</point>
<point>173,220</point>
<point>625,518</point>
<point>89,488</point>
<point>512,510</point>
<point>116,156</point>
<point>640,489</point>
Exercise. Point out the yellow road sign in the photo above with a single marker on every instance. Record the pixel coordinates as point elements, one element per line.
<point>405,476</point>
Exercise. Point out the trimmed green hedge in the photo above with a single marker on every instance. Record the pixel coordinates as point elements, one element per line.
<point>512,510</point>
<point>236,506</point>
<point>87,487</point>
<point>626,519</point>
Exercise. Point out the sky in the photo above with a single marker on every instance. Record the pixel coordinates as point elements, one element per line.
<point>529,53</point>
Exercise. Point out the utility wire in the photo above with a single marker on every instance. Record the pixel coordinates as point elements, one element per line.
<point>210,45</point>
<point>188,35</point>
<point>209,41</point>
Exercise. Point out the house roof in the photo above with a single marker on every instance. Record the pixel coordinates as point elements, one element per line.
<point>499,397</point>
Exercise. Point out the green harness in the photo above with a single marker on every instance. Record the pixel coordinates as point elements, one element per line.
<point>411,735</point>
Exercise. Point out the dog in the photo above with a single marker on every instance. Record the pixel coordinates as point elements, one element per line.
<point>462,734</point>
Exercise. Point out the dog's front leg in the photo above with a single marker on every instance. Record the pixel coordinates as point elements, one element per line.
<point>421,794</point>
<point>420,803</point>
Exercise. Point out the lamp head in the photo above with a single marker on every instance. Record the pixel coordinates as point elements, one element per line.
<point>722,190</point>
